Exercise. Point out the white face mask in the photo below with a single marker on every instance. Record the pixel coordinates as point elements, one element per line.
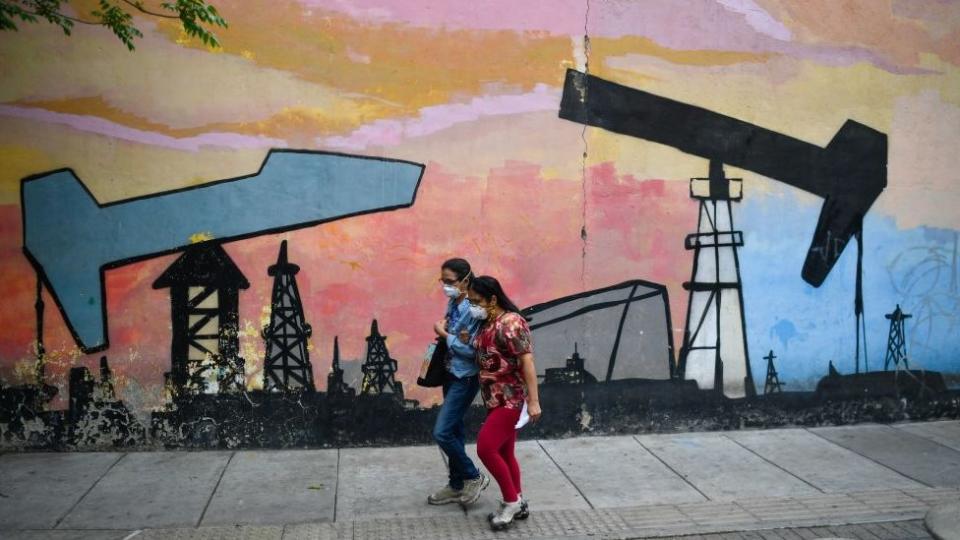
<point>451,291</point>
<point>477,312</point>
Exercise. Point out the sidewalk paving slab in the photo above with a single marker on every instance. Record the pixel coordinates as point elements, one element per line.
<point>388,482</point>
<point>916,457</point>
<point>908,530</point>
<point>827,466</point>
<point>275,486</point>
<point>66,535</point>
<point>151,489</point>
<point>318,531</point>
<point>775,510</point>
<point>934,496</point>
<point>721,469</point>
<point>252,532</point>
<point>946,433</point>
<point>618,471</point>
<point>41,488</point>
<point>544,484</point>
<point>892,501</point>
<point>658,515</point>
<point>716,513</point>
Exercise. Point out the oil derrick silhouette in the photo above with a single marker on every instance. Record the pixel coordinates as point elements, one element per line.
<point>378,368</point>
<point>714,351</point>
<point>204,288</point>
<point>286,365</point>
<point>335,383</point>
<point>772,384</point>
<point>896,342</point>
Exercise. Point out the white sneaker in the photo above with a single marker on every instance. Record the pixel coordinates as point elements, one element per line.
<point>504,517</point>
<point>524,512</point>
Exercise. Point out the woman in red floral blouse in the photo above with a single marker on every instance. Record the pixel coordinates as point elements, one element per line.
<point>508,380</point>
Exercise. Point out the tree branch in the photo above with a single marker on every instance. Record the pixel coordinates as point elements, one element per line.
<point>62,16</point>
<point>117,16</point>
<point>139,7</point>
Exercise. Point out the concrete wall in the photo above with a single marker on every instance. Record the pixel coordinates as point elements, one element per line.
<point>379,138</point>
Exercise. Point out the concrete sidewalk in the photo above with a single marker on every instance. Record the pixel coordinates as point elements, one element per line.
<point>596,487</point>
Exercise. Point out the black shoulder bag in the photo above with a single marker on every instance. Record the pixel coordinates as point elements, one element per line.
<point>433,373</point>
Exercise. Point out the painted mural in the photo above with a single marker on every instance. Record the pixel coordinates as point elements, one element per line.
<point>717,214</point>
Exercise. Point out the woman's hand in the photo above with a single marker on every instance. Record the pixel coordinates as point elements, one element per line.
<point>441,328</point>
<point>533,409</point>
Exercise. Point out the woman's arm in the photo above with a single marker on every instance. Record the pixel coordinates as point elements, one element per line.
<point>463,347</point>
<point>530,378</point>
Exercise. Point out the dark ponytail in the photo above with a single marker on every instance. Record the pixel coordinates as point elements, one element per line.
<point>487,287</point>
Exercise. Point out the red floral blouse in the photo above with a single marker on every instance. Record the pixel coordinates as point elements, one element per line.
<point>499,346</point>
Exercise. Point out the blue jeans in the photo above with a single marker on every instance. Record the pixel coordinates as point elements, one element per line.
<point>449,430</point>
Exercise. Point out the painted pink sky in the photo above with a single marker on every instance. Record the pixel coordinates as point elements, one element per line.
<point>685,24</point>
<point>391,132</point>
<point>722,25</point>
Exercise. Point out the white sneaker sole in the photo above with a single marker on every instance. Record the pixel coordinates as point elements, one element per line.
<point>441,502</point>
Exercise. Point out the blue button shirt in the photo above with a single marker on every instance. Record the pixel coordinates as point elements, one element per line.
<point>463,357</point>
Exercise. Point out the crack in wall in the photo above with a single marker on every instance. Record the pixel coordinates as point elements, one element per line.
<point>583,162</point>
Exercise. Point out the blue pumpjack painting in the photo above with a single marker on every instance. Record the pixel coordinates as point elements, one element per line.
<point>71,239</point>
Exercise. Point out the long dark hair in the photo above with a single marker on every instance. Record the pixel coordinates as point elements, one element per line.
<point>487,287</point>
<point>460,267</point>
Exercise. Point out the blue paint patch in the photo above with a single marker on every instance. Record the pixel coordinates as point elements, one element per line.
<point>784,330</point>
<point>71,238</point>
<point>916,268</point>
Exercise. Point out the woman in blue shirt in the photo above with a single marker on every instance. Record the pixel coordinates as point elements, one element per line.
<point>458,328</point>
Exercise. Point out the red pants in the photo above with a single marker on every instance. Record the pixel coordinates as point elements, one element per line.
<point>495,448</point>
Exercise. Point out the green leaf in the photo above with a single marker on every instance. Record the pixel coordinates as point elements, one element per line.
<point>193,14</point>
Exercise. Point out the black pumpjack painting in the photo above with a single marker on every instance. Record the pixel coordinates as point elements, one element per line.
<point>849,174</point>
